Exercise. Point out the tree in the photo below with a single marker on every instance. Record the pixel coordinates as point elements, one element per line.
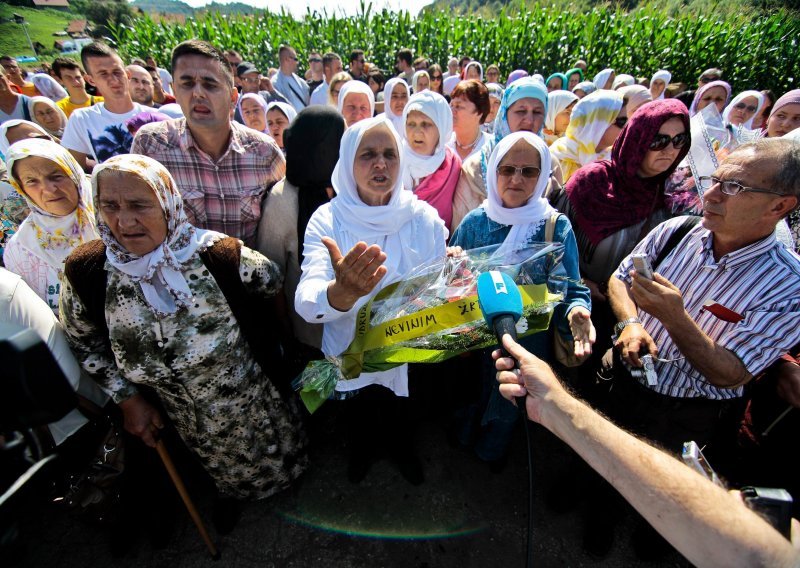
<point>104,13</point>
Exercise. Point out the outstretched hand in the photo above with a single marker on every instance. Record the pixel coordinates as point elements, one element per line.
<point>583,331</point>
<point>356,274</point>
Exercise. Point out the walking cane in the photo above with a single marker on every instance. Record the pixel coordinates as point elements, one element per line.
<point>187,500</point>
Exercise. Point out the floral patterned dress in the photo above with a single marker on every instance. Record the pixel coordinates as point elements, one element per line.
<point>226,410</point>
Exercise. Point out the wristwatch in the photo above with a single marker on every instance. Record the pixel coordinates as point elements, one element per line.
<point>625,323</point>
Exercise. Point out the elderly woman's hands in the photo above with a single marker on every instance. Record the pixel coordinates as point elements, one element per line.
<point>141,419</point>
<point>357,274</point>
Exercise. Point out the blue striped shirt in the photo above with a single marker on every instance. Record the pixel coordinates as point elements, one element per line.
<point>760,282</point>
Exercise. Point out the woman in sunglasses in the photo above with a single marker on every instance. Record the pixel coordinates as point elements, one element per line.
<point>516,212</point>
<point>437,79</point>
<point>743,109</point>
<point>613,203</point>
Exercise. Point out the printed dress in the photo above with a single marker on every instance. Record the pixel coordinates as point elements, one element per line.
<point>225,409</point>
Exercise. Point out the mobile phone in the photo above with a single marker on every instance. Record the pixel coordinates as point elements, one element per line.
<point>694,458</point>
<point>642,266</point>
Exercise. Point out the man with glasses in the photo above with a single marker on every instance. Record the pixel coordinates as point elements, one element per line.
<point>331,65</point>
<point>721,307</point>
<point>356,68</point>
<point>16,79</point>
<point>291,86</point>
<point>314,70</point>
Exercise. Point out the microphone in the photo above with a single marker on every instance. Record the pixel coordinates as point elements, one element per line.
<point>501,305</point>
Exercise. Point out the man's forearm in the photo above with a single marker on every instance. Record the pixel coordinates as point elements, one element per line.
<point>619,297</point>
<point>705,523</point>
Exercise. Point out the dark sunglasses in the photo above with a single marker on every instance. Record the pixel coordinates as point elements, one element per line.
<point>621,121</point>
<point>661,141</point>
<point>436,77</point>
<point>315,60</point>
<point>529,172</point>
<point>742,106</point>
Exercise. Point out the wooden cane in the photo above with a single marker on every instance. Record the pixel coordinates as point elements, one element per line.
<point>187,500</point>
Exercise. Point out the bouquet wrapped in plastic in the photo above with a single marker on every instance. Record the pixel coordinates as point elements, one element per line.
<point>434,315</point>
<point>712,140</point>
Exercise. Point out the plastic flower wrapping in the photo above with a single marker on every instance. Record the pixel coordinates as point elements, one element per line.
<point>434,315</point>
<point>712,141</point>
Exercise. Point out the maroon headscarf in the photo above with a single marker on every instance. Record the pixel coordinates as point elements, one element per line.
<point>608,195</point>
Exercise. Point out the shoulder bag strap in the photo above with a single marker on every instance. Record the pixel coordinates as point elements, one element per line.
<point>689,223</point>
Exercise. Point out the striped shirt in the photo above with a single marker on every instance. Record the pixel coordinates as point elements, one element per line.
<point>760,282</point>
<point>223,195</point>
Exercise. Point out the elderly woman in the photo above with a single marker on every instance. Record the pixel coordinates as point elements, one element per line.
<point>743,108</point>
<point>612,203</point>
<point>46,114</point>
<point>785,115</point>
<point>574,76</point>
<point>604,79</point>
<point>584,88</point>
<point>337,82</point>
<point>559,110</point>
<point>495,97</point>
<point>421,81</point>
<point>356,102</point>
<point>431,168</point>
<point>253,110</point>
<point>317,131</point>
<point>470,105</point>
<point>160,304</point>
<point>395,97</point>
<point>61,214</point>
<point>515,213</point>
<point>716,92</point>
<point>279,117</point>
<point>373,233</point>
<point>658,84</point>
<point>636,95</point>
<point>556,82</point>
<point>523,108</point>
<point>596,121</point>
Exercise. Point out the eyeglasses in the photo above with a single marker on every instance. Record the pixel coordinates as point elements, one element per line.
<point>251,79</point>
<point>731,187</point>
<point>436,77</point>
<point>291,57</point>
<point>529,172</point>
<point>742,106</point>
<point>661,141</point>
<point>621,121</point>
<point>314,60</point>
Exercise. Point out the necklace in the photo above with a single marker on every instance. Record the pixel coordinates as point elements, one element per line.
<point>470,146</point>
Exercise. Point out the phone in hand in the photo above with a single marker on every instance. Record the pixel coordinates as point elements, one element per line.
<point>642,266</point>
<point>694,458</point>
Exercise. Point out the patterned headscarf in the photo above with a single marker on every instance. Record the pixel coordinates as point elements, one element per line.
<point>160,271</point>
<point>590,118</point>
<point>521,89</point>
<point>9,124</point>
<point>702,90</point>
<point>52,237</point>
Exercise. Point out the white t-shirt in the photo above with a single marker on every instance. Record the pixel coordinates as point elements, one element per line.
<point>166,80</point>
<point>320,95</point>
<point>18,113</point>
<point>99,133</point>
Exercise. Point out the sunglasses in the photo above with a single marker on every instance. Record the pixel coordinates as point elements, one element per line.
<point>314,60</point>
<point>742,106</point>
<point>621,121</point>
<point>661,141</point>
<point>436,77</point>
<point>529,172</point>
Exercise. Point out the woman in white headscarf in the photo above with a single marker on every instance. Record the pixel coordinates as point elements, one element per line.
<point>604,79</point>
<point>61,214</point>
<point>373,233</point>
<point>279,117</point>
<point>636,95</point>
<point>49,87</point>
<point>48,115</point>
<point>658,84</point>
<point>431,168</point>
<point>395,98</point>
<point>515,214</point>
<point>496,91</point>
<point>253,110</point>
<point>356,102</point>
<point>559,109</point>
<point>623,80</point>
<point>14,130</point>
<point>584,88</point>
<point>167,323</point>
<point>473,70</point>
<point>421,81</point>
<point>743,108</point>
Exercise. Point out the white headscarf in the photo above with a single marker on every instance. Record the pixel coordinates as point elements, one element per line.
<point>434,106</point>
<point>356,88</point>
<point>450,83</point>
<point>557,102</point>
<point>416,77</point>
<point>662,75</point>
<point>159,272</point>
<point>48,86</point>
<point>396,119</point>
<point>739,98</point>
<point>33,101</point>
<point>286,109</point>
<point>260,101</point>
<point>8,124</point>
<point>524,220</point>
<point>538,77</point>
<point>474,64</point>
<point>586,86</point>
<point>356,220</point>
<point>637,95</point>
<point>623,80</point>
<point>52,237</point>
<point>601,78</point>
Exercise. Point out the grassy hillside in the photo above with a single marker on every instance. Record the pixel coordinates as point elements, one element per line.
<point>42,24</point>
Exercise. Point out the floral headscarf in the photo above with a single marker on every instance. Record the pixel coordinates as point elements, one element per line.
<point>159,272</point>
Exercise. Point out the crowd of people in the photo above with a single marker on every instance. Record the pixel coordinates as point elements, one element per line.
<point>166,217</point>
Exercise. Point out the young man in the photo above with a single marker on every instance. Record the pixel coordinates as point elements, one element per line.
<point>222,168</point>
<point>402,63</point>
<point>14,74</point>
<point>291,86</point>
<point>160,96</point>
<point>163,74</point>
<point>98,132</point>
<point>356,68</point>
<point>315,68</point>
<point>71,77</point>
<point>331,65</point>
<point>141,85</point>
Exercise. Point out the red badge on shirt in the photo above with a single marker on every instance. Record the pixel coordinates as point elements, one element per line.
<point>723,313</point>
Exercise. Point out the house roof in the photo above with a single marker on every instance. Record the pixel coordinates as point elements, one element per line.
<point>51,3</point>
<point>76,26</point>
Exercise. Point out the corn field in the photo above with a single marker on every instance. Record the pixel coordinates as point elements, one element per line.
<point>755,50</point>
